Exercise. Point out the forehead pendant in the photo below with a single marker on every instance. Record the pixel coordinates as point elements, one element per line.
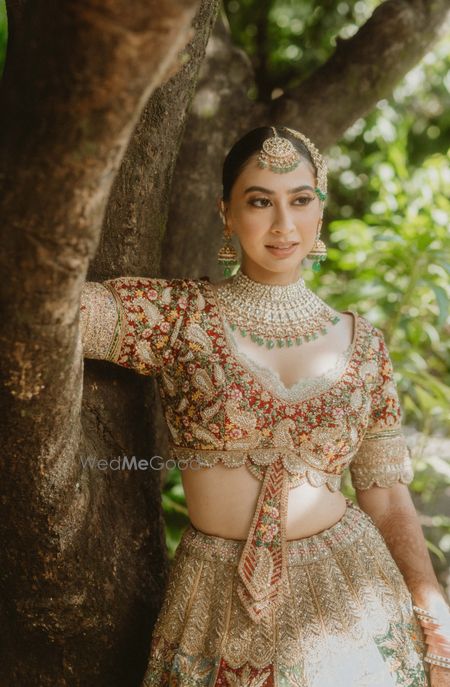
<point>279,155</point>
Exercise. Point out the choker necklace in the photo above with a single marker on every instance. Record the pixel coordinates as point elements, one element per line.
<point>274,314</point>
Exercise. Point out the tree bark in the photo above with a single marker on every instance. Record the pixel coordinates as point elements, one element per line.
<point>82,556</point>
<point>221,112</point>
<point>362,70</point>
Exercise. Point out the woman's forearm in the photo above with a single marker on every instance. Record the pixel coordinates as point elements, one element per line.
<point>394,514</point>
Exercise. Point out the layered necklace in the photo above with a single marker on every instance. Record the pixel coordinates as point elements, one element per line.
<point>274,314</point>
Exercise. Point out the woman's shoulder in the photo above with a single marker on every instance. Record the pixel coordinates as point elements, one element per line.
<point>159,284</point>
<point>371,339</point>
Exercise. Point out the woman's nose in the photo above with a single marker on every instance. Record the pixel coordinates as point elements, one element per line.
<point>283,220</point>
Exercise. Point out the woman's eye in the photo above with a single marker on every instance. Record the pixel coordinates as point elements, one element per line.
<point>259,202</point>
<point>303,200</point>
<point>265,202</point>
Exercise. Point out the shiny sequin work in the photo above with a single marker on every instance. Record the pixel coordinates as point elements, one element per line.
<point>346,618</point>
<point>218,408</point>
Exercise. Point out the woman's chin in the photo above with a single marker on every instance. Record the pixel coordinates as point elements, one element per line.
<point>278,266</point>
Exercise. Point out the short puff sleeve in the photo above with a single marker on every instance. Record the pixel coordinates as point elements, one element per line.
<point>383,457</point>
<point>134,321</point>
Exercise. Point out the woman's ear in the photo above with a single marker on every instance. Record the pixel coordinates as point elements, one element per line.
<point>222,210</point>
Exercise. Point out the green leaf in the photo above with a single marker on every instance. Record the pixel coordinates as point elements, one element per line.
<point>442,301</point>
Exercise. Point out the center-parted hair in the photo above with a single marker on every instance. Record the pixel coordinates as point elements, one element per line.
<point>250,144</point>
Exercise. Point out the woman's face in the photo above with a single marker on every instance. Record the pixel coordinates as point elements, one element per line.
<point>266,209</point>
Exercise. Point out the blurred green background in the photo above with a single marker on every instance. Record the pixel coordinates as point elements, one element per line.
<point>386,228</point>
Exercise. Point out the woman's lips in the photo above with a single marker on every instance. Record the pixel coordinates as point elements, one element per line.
<point>282,252</point>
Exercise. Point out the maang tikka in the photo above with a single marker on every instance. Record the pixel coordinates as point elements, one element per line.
<point>281,156</point>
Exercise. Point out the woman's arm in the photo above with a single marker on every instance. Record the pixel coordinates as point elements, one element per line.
<point>394,513</point>
<point>134,321</point>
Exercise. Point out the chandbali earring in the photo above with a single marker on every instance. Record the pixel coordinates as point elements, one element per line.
<point>318,252</point>
<point>227,256</point>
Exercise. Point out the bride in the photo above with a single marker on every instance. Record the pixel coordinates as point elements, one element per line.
<point>269,394</point>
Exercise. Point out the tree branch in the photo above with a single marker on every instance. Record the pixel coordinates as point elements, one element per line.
<point>363,69</point>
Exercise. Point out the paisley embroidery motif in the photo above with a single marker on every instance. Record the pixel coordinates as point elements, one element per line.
<point>217,410</point>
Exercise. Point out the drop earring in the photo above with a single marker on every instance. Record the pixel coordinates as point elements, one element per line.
<point>318,252</point>
<point>227,256</point>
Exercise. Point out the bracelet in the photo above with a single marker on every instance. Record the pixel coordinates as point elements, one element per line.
<point>422,612</point>
<point>426,616</point>
<point>436,660</point>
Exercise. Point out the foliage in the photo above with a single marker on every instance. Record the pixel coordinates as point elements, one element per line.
<point>287,40</point>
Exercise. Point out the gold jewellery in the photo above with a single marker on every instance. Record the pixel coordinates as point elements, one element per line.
<point>274,314</point>
<point>280,156</point>
<point>426,617</point>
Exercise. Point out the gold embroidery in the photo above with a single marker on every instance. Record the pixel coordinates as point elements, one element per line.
<point>176,331</point>
<point>166,296</point>
<point>342,583</point>
<point>98,320</point>
<point>219,374</point>
<point>169,383</point>
<point>196,334</point>
<point>208,413</point>
<point>203,434</point>
<point>382,459</point>
<point>201,380</point>
<point>150,311</point>
<point>236,457</point>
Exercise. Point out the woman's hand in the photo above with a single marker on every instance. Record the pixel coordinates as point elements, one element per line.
<point>439,677</point>
<point>436,632</point>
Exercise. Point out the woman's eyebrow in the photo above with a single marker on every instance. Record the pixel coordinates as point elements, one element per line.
<point>271,193</point>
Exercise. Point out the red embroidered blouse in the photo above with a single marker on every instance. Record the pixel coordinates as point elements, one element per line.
<point>218,409</point>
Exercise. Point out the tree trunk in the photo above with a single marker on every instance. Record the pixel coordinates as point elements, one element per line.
<point>82,559</point>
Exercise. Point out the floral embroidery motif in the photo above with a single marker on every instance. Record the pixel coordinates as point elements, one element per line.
<point>218,410</point>
<point>268,531</point>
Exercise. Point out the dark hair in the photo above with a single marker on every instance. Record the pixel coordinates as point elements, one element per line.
<point>248,145</point>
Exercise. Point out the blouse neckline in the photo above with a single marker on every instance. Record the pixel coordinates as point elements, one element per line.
<point>269,380</point>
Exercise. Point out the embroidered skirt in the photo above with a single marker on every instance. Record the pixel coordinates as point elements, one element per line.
<point>346,619</point>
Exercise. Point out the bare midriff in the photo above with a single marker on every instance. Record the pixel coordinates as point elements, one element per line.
<point>221,500</point>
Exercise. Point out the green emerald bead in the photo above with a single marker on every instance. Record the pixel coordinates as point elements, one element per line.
<point>243,332</point>
<point>323,331</point>
<point>227,272</point>
<point>280,343</point>
<point>335,319</point>
<point>289,342</point>
<point>298,340</point>
<point>316,267</point>
<point>233,327</point>
<point>253,337</point>
<point>270,343</point>
<point>260,341</point>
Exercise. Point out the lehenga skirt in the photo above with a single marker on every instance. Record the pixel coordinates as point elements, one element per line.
<point>346,618</point>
